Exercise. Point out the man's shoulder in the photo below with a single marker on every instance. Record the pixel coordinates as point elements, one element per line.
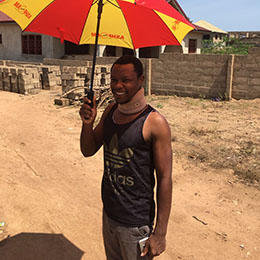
<point>155,116</point>
<point>157,122</point>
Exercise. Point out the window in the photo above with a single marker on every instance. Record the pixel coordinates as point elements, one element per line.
<point>32,44</point>
<point>206,37</point>
<point>1,41</point>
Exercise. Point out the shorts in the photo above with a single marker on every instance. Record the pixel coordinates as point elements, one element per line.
<point>121,242</point>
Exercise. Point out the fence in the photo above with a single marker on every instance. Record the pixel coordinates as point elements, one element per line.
<point>194,75</point>
<point>209,76</point>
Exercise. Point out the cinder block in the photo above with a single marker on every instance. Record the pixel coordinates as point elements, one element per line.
<point>62,102</point>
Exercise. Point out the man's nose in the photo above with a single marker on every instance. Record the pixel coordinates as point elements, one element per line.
<point>118,84</point>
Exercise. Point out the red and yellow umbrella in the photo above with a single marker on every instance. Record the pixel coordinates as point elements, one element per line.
<point>124,23</point>
<point>130,24</point>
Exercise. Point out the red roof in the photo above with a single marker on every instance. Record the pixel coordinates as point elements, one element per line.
<point>199,28</point>
<point>5,18</point>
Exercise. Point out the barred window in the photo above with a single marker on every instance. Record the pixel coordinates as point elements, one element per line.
<point>32,44</point>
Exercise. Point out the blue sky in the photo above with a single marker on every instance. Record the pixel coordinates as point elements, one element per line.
<point>228,15</point>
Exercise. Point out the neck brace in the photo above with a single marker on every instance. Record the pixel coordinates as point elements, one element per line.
<point>135,105</point>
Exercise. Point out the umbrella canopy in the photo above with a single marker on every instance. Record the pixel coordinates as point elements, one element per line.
<point>130,24</point>
<point>125,23</point>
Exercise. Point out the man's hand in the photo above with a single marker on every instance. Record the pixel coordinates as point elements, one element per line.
<point>154,246</point>
<point>87,113</point>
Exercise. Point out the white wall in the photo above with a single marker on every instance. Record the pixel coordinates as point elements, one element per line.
<point>11,48</point>
<point>192,35</point>
<point>58,48</point>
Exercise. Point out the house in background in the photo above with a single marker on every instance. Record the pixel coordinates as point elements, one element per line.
<point>216,34</point>
<point>18,45</point>
<point>249,37</point>
<point>192,43</point>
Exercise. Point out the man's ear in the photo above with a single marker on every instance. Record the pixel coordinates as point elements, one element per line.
<point>141,80</point>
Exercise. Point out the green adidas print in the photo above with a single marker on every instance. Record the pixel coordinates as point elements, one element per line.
<point>115,160</point>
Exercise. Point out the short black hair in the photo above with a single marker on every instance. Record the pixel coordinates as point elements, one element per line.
<point>128,59</point>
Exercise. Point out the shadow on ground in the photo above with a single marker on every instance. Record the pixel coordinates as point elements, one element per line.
<point>40,246</point>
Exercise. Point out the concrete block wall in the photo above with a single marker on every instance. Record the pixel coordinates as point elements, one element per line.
<point>246,77</point>
<point>190,75</point>
<point>194,75</point>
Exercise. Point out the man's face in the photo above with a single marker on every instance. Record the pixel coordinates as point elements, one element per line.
<point>124,82</point>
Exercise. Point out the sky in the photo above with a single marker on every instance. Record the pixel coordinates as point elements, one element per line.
<point>228,15</point>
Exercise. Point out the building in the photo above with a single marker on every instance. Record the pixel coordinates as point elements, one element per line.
<point>250,37</point>
<point>18,45</point>
<point>215,34</point>
<point>192,42</point>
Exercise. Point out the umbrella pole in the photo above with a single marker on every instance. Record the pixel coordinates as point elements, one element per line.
<point>89,92</point>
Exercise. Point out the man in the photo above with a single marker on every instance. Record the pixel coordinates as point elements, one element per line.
<point>137,141</point>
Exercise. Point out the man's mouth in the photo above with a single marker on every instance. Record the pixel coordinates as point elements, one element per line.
<point>118,93</point>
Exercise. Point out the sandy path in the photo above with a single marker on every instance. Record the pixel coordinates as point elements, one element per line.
<point>47,187</point>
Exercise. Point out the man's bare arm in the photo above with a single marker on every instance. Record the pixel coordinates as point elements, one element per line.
<point>161,138</point>
<point>91,139</point>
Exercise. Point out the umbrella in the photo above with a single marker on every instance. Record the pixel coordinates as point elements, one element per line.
<point>124,23</point>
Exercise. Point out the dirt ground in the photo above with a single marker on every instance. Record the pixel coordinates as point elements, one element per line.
<point>50,206</point>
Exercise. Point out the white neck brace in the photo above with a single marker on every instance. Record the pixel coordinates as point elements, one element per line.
<point>135,105</point>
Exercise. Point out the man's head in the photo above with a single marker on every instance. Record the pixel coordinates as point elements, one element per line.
<point>127,59</point>
<point>126,78</point>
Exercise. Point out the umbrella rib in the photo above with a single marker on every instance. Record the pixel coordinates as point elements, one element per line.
<point>94,2</point>
<point>126,23</point>
<point>85,22</point>
<point>113,4</point>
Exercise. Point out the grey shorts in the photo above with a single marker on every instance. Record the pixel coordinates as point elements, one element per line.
<point>121,243</point>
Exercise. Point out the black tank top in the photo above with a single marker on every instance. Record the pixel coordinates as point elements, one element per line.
<point>128,180</point>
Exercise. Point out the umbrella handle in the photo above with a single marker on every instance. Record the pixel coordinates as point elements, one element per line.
<point>90,96</point>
